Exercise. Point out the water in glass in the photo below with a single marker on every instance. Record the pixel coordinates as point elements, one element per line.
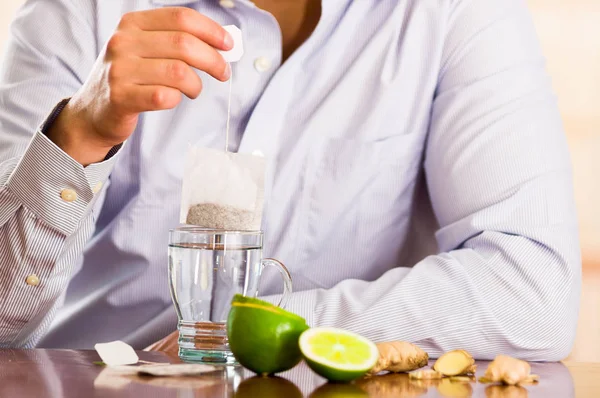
<point>203,279</point>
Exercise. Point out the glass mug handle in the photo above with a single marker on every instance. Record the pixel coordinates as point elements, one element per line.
<point>285,274</point>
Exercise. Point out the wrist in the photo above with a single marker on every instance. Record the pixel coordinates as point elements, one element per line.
<point>69,131</point>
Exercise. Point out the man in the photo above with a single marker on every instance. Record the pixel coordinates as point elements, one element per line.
<point>418,188</point>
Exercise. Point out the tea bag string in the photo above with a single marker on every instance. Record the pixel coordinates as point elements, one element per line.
<point>228,111</point>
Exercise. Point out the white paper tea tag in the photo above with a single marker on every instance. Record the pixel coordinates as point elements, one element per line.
<point>236,53</point>
<point>116,353</point>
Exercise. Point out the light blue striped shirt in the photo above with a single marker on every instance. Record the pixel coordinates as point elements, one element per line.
<point>418,185</point>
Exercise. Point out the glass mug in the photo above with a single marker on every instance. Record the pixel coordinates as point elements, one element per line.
<point>207,268</point>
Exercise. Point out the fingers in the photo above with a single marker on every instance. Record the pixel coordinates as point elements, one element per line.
<point>180,19</point>
<point>151,56</point>
<point>185,47</point>
<point>135,98</point>
<point>171,73</point>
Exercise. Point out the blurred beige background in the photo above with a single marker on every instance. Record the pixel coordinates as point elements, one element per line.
<point>7,10</point>
<point>570,34</point>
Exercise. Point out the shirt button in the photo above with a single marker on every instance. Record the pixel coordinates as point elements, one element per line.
<point>33,280</point>
<point>68,195</point>
<point>262,64</point>
<point>97,187</point>
<point>258,153</point>
<point>227,3</point>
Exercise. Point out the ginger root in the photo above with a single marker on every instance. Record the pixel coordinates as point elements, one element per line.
<point>532,379</point>
<point>399,356</point>
<point>508,370</point>
<point>455,363</point>
<point>426,374</point>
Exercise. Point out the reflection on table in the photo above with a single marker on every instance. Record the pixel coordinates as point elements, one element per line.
<point>556,381</point>
<point>67,373</point>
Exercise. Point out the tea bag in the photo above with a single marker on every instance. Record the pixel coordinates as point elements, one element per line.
<point>221,189</point>
<point>120,357</point>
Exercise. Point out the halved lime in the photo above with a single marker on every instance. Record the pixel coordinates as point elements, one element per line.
<point>264,337</point>
<point>337,354</point>
<point>246,301</point>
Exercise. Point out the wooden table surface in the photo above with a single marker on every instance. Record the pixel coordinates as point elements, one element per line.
<point>67,373</point>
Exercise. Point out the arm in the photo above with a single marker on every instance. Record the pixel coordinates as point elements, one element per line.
<point>507,279</point>
<point>146,65</point>
<point>40,233</point>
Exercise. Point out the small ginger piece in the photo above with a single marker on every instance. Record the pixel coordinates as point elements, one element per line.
<point>532,379</point>
<point>426,374</point>
<point>399,356</point>
<point>455,363</point>
<point>508,370</point>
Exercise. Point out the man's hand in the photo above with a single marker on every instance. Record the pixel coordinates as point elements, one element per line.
<point>145,66</point>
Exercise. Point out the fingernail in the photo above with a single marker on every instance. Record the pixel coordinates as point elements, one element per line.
<point>228,41</point>
<point>227,73</point>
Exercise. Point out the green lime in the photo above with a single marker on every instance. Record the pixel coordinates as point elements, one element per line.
<point>264,337</point>
<point>337,354</point>
<point>267,387</point>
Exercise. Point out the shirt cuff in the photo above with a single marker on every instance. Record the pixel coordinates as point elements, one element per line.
<point>56,188</point>
<point>303,303</point>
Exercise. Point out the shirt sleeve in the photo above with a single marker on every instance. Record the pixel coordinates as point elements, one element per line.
<point>507,278</point>
<point>46,197</point>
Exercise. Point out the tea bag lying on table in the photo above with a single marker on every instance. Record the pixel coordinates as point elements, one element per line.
<point>121,358</point>
<point>166,370</point>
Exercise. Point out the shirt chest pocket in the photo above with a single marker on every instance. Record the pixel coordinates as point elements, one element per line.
<point>357,190</point>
